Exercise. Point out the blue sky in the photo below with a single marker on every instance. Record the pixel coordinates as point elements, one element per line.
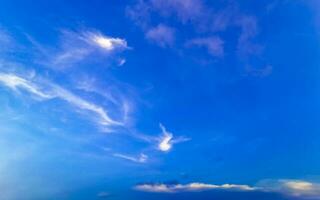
<point>159,99</point>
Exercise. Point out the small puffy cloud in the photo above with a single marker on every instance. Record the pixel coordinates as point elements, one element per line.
<point>162,35</point>
<point>166,140</point>
<point>214,45</point>
<point>51,91</point>
<point>191,187</point>
<point>142,158</point>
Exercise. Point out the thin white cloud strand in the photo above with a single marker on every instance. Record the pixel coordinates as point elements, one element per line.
<point>142,158</point>
<point>173,188</point>
<point>15,82</point>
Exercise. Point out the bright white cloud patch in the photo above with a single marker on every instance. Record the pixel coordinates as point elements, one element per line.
<point>165,143</point>
<point>53,91</point>
<point>142,158</point>
<point>107,43</point>
<point>167,140</point>
<point>77,46</point>
<point>171,188</point>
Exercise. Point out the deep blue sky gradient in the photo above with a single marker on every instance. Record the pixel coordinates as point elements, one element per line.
<point>247,117</point>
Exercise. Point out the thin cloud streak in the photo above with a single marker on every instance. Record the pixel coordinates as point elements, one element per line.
<point>142,158</point>
<point>53,91</point>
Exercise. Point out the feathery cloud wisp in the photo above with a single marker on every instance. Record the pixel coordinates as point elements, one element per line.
<point>53,91</point>
<point>77,46</point>
<point>142,158</point>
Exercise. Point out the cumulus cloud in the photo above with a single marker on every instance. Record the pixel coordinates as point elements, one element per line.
<point>172,188</point>
<point>214,45</point>
<point>166,140</point>
<point>295,188</point>
<point>52,91</point>
<point>162,35</point>
<point>142,158</point>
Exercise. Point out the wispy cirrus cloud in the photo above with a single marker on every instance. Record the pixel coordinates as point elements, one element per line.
<point>52,91</point>
<point>142,158</point>
<point>78,46</point>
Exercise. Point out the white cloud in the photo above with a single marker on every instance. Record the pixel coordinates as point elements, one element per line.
<point>296,188</point>
<point>77,46</point>
<point>162,35</point>
<point>53,91</point>
<point>172,188</point>
<point>166,140</point>
<point>142,158</point>
<point>105,42</point>
<point>14,82</point>
<point>214,45</point>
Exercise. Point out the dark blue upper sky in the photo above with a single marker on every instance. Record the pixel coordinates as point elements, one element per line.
<point>159,99</point>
